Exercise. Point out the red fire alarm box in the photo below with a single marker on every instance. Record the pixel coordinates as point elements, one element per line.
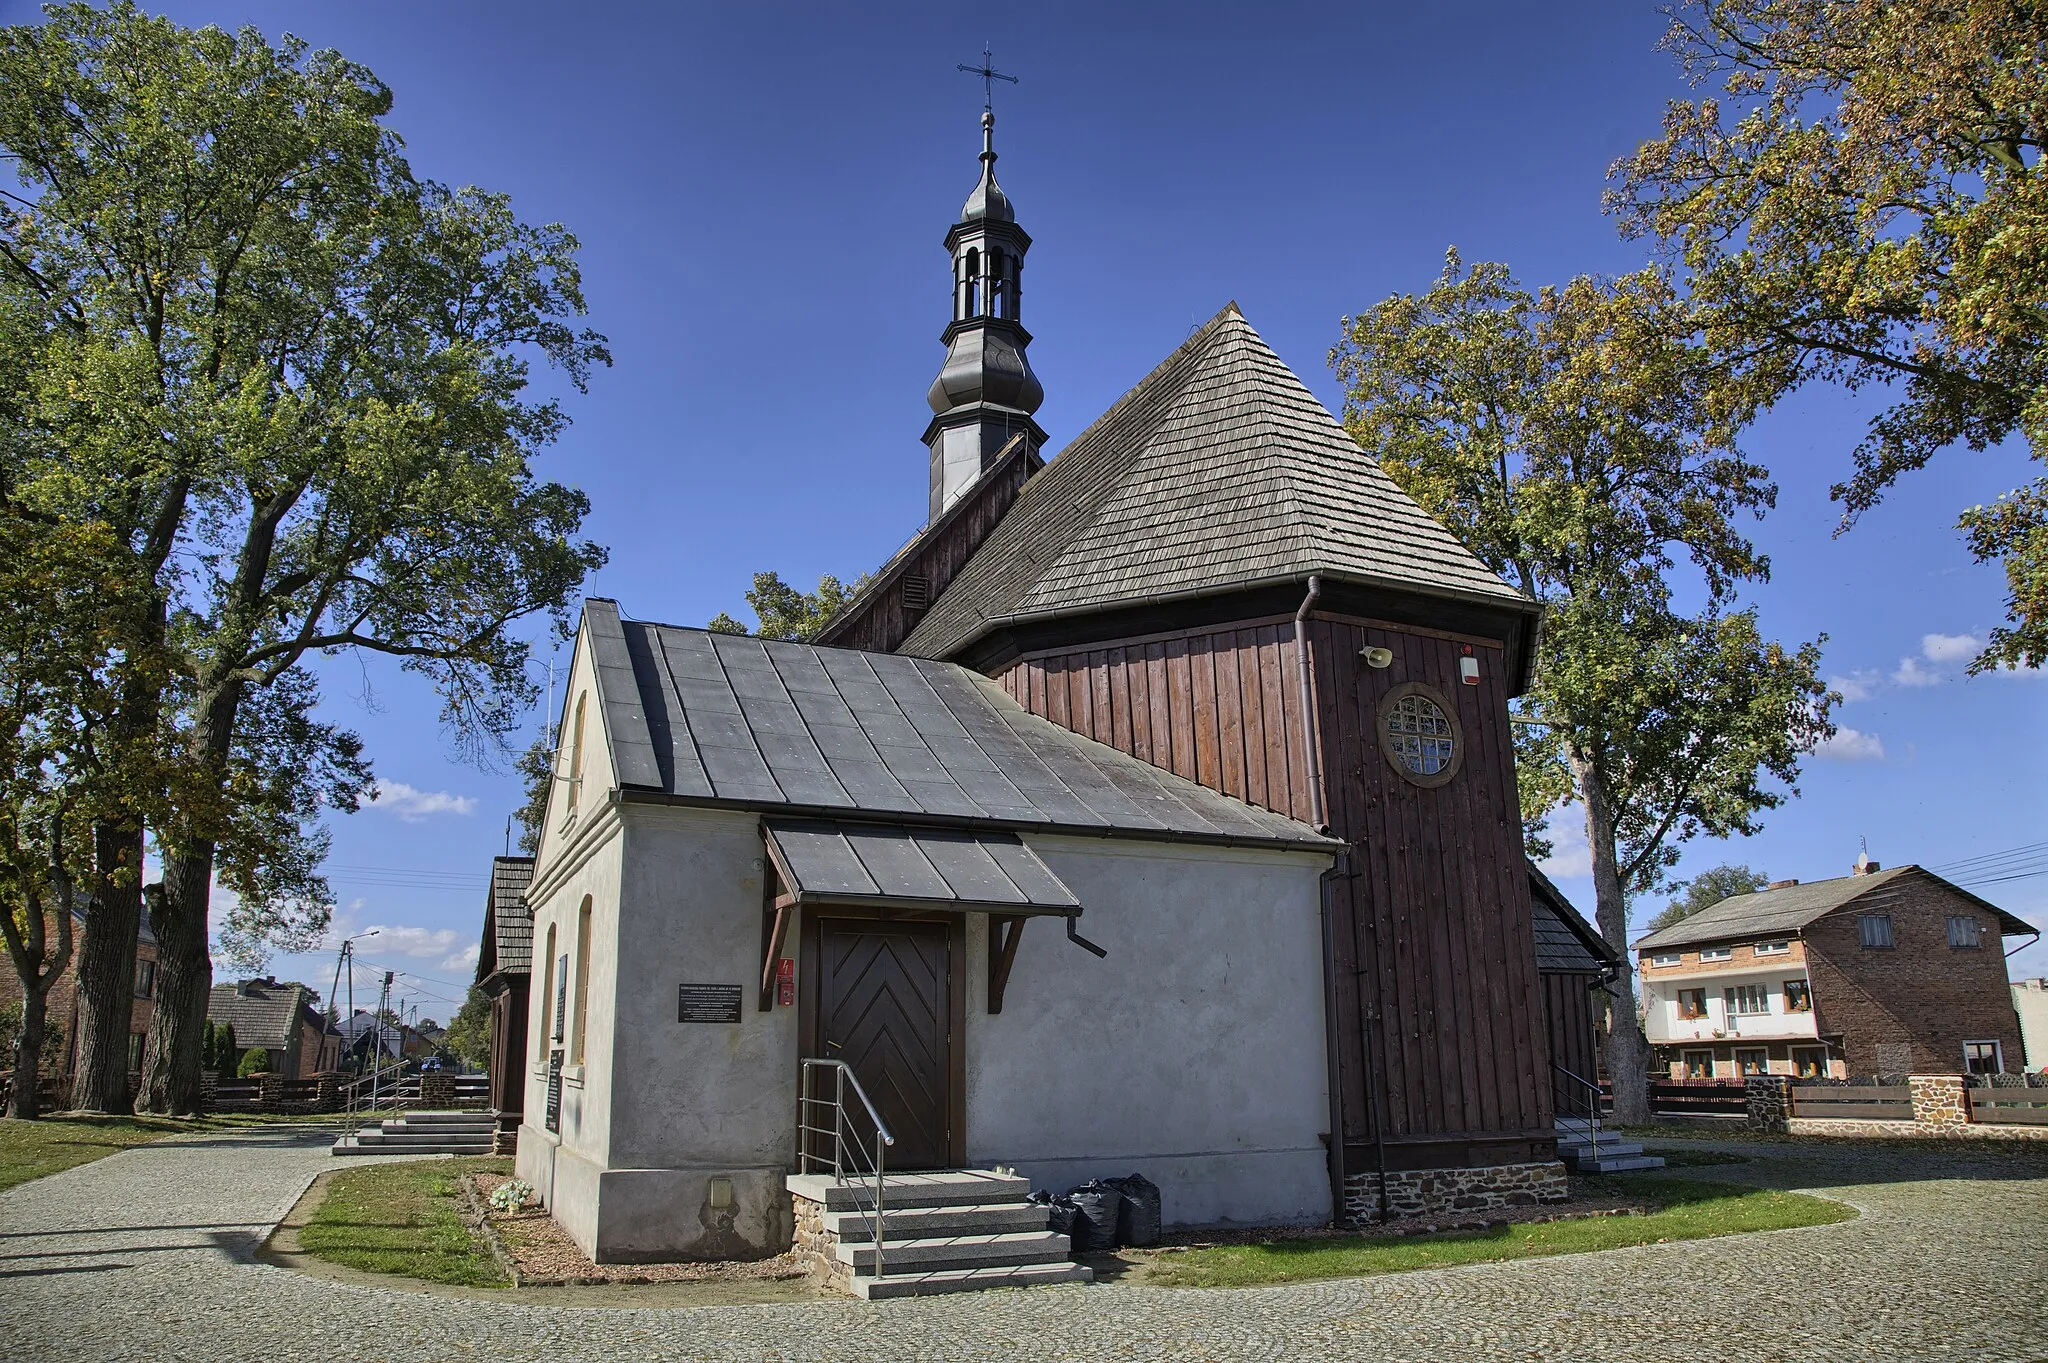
<point>785,982</point>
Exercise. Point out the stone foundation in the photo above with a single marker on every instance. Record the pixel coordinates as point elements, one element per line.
<point>1940,1102</point>
<point>1768,1100</point>
<point>1912,1131</point>
<point>815,1247</point>
<point>1423,1192</point>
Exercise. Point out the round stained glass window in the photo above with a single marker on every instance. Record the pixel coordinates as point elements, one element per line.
<point>1420,735</point>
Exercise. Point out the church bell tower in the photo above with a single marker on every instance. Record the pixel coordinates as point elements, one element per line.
<point>986,392</point>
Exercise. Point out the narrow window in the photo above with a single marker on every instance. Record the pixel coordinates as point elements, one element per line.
<point>1664,958</point>
<point>973,283</point>
<point>540,1033</point>
<point>998,291</point>
<point>561,996</point>
<point>1773,948</point>
<point>582,982</point>
<point>1798,996</point>
<point>576,752</point>
<point>1717,953</point>
<point>1876,929</point>
<point>1963,931</point>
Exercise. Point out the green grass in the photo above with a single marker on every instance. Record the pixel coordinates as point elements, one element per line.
<point>1687,1210</point>
<point>50,1145</point>
<point>404,1219</point>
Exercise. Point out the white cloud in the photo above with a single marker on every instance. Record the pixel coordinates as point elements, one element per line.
<point>1570,857</point>
<point>464,959</point>
<point>1911,673</point>
<point>418,943</point>
<point>1852,745</point>
<point>411,805</point>
<point>1858,685</point>
<point>1948,648</point>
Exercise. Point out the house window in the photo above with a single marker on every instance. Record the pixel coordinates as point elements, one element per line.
<point>1419,735</point>
<point>1810,1062</point>
<point>582,982</point>
<point>145,979</point>
<point>1773,948</point>
<point>561,996</point>
<point>135,1052</point>
<point>541,1032</point>
<point>1698,1064</point>
<point>1752,1060</point>
<point>1717,953</point>
<point>576,752</point>
<point>1664,958</point>
<point>1983,1057</point>
<point>1963,931</point>
<point>1746,999</point>
<point>1798,996</point>
<point>1692,1003</point>
<point>1876,930</point>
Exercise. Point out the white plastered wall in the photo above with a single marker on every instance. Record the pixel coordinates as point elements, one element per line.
<point>1193,1053</point>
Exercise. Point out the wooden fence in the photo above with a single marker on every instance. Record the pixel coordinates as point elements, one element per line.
<point>1698,1098</point>
<point>2026,1107</point>
<point>1876,1102</point>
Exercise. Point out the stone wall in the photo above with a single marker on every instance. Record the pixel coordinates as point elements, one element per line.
<point>1941,1111</point>
<point>1870,1128</point>
<point>1423,1192</point>
<point>815,1245</point>
<point>1768,1098</point>
<point>1940,1102</point>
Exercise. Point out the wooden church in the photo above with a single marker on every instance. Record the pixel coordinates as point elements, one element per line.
<point>1207,693</point>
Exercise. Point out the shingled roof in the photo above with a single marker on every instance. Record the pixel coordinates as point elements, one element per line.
<point>1219,471</point>
<point>1782,912</point>
<point>507,947</point>
<point>1565,942</point>
<point>262,1012</point>
<point>732,720</point>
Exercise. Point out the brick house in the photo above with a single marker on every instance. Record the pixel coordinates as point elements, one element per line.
<point>61,1002</point>
<point>1876,972</point>
<point>281,1019</point>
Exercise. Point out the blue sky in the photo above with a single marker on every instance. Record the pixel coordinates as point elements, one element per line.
<point>762,190</point>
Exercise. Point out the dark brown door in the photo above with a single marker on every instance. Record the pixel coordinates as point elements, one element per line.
<point>883,1008</point>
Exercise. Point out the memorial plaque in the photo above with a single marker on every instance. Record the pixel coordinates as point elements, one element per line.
<point>554,1114</point>
<point>708,1003</point>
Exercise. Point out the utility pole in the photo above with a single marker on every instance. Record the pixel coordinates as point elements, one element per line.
<point>345,960</point>
<point>383,1006</point>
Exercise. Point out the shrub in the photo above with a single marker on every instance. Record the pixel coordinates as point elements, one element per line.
<point>255,1061</point>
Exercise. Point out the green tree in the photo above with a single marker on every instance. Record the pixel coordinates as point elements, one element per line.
<point>469,1035</point>
<point>536,770</point>
<point>292,376</point>
<point>1577,439</point>
<point>1706,889</point>
<point>783,612</point>
<point>255,1061</point>
<point>1863,202</point>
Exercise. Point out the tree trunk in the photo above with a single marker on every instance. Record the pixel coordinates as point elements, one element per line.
<point>28,1051</point>
<point>177,1031</point>
<point>106,971</point>
<point>1626,1050</point>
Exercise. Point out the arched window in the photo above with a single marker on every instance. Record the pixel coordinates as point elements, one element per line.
<point>576,753</point>
<point>582,983</point>
<point>998,289</point>
<point>546,996</point>
<point>973,295</point>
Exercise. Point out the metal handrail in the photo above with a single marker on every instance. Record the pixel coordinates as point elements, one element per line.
<point>848,1151</point>
<point>1592,1105</point>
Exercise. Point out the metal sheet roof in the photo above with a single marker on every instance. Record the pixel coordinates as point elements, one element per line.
<point>1218,469</point>
<point>838,861</point>
<point>1787,910</point>
<point>725,719</point>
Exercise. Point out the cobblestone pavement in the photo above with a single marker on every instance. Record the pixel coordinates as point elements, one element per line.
<point>146,1255</point>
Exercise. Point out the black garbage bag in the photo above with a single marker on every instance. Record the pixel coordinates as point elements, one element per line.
<point>1097,1208</point>
<point>1139,1226</point>
<point>1059,1212</point>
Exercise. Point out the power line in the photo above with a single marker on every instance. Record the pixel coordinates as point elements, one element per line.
<point>1968,864</point>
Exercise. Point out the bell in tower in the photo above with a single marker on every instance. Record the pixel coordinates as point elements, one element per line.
<point>986,392</point>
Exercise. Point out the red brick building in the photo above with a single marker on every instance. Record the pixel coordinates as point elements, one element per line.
<point>1878,972</point>
<point>62,1003</point>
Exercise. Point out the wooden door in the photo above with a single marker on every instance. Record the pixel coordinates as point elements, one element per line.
<point>885,1008</point>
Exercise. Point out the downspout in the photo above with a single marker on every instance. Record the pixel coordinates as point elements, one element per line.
<point>1318,816</point>
<point>1310,750</point>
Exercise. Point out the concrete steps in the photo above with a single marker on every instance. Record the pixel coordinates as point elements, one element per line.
<point>424,1133</point>
<point>955,1230</point>
<point>1610,1153</point>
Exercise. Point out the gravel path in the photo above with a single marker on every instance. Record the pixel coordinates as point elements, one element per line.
<point>146,1255</point>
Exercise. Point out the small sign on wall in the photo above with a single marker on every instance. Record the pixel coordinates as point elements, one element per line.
<point>554,1113</point>
<point>785,983</point>
<point>708,1003</point>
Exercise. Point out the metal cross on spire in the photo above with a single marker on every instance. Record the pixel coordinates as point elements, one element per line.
<point>989,76</point>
